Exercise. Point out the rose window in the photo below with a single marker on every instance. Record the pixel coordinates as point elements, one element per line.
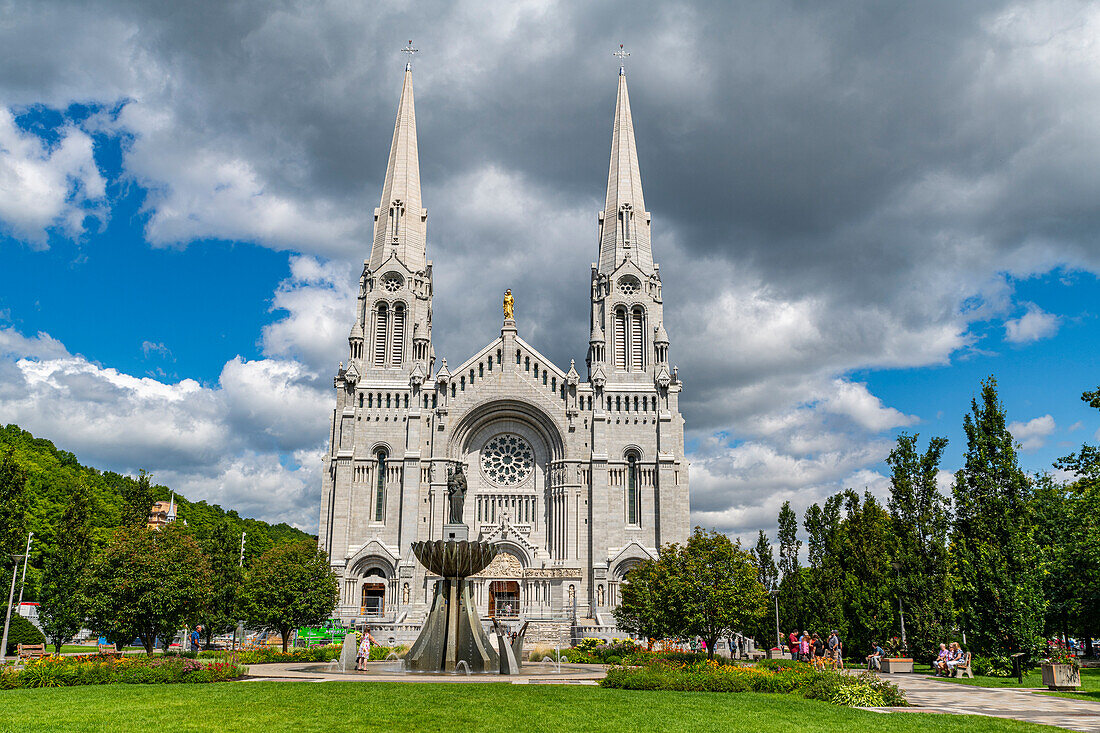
<point>629,285</point>
<point>392,283</point>
<point>507,459</point>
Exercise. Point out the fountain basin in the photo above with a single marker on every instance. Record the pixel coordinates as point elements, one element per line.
<point>451,559</point>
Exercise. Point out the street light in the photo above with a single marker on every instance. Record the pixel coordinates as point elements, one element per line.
<point>774,593</point>
<point>11,596</point>
<point>901,613</point>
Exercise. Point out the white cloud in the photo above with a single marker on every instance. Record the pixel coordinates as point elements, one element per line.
<point>1034,325</point>
<point>44,187</point>
<point>228,443</point>
<point>1032,434</point>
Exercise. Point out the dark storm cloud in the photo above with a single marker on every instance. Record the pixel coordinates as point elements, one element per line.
<point>834,186</point>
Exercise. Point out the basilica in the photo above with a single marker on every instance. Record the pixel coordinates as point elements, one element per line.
<point>576,479</point>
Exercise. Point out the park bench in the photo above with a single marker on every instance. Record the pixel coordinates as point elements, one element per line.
<point>31,651</point>
<point>108,650</point>
<point>963,667</point>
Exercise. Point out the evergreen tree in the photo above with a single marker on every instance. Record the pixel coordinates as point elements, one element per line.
<point>790,584</point>
<point>137,500</point>
<point>919,521</point>
<point>858,564</point>
<point>768,574</point>
<point>823,604</point>
<point>14,508</point>
<point>766,571</point>
<point>994,559</point>
<point>60,612</point>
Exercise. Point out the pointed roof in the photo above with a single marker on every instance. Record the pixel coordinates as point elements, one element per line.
<point>402,185</point>
<point>624,187</point>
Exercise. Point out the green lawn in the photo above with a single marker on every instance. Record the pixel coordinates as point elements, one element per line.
<point>394,706</point>
<point>1090,681</point>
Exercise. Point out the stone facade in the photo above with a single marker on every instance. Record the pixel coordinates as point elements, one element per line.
<point>577,480</point>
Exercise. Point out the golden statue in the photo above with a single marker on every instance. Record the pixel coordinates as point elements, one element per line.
<point>509,305</point>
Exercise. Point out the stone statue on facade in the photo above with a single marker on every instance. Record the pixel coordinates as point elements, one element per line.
<point>456,492</point>
<point>509,305</point>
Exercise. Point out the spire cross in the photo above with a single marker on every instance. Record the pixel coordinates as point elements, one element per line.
<point>622,53</point>
<point>410,51</point>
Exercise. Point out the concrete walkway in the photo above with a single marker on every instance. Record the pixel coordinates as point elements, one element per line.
<point>940,696</point>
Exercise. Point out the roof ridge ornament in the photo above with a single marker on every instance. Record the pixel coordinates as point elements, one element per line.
<point>410,51</point>
<point>622,53</point>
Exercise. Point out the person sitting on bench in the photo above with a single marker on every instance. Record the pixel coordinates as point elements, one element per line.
<point>874,659</point>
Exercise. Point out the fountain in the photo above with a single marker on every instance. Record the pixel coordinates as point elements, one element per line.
<point>348,652</point>
<point>452,634</point>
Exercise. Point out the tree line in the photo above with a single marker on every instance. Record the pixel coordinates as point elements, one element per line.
<point>95,564</point>
<point>1002,563</point>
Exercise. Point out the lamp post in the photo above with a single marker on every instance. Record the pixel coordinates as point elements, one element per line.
<point>774,593</point>
<point>901,613</point>
<point>11,597</point>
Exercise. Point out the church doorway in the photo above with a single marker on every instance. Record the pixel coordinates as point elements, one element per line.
<point>374,599</point>
<point>504,599</point>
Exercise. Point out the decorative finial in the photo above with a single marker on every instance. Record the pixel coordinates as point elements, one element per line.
<point>621,53</point>
<point>410,51</point>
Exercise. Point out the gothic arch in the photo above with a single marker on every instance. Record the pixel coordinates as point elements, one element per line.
<point>507,409</point>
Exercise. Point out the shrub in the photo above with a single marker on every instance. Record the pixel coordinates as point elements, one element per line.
<point>783,664</point>
<point>711,676</point>
<point>22,631</point>
<point>996,666</point>
<point>857,695</point>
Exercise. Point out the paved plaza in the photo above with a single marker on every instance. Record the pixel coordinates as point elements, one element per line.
<point>941,696</point>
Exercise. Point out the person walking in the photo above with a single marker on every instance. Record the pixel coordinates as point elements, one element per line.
<point>794,644</point>
<point>834,641</point>
<point>804,647</point>
<point>195,638</point>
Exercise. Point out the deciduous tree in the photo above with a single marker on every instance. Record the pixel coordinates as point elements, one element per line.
<point>146,583</point>
<point>290,585</point>
<point>137,500</point>
<point>713,590</point>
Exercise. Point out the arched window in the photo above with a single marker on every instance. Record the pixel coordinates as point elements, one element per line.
<point>380,486</point>
<point>398,353</point>
<point>632,488</point>
<point>381,325</point>
<point>637,339</point>
<point>619,338</point>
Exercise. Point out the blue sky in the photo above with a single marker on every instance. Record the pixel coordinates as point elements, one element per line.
<point>852,234</point>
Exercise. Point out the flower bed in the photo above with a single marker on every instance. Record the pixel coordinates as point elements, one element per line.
<point>863,690</point>
<point>265,655</point>
<point>93,669</point>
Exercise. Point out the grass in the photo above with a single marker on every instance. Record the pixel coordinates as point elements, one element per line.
<point>395,706</point>
<point>1090,681</point>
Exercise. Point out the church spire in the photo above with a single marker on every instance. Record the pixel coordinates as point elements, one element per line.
<point>400,221</point>
<point>624,223</point>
